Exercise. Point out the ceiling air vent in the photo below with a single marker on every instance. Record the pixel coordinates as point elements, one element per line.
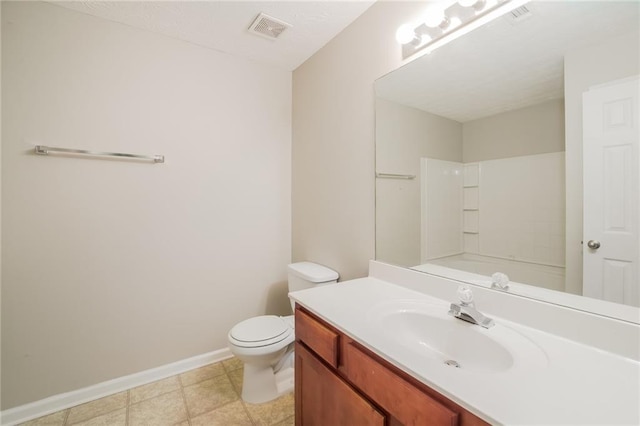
<point>268,26</point>
<point>518,15</point>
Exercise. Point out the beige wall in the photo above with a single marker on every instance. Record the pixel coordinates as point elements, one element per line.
<point>114,267</point>
<point>403,136</point>
<point>333,139</point>
<point>610,60</point>
<point>537,129</point>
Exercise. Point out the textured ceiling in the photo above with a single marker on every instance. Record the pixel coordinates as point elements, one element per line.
<point>504,66</point>
<point>222,25</point>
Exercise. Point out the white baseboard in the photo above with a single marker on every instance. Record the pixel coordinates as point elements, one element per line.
<point>62,401</point>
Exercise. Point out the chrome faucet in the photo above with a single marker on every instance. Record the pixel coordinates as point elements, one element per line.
<point>466,309</point>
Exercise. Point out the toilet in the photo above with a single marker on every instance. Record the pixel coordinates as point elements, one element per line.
<point>265,343</point>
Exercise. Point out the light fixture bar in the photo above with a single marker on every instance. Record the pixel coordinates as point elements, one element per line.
<point>431,39</point>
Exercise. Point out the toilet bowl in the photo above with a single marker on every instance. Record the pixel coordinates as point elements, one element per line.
<point>265,343</point>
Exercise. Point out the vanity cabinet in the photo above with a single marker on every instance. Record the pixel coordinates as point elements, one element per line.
<point>327,399</point>
<point>340,382</point>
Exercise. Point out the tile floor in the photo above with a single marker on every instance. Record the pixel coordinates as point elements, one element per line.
<point>207,396</point>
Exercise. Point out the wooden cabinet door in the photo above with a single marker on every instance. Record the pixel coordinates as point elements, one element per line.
<point>407,404</point>
<point>324,399</point>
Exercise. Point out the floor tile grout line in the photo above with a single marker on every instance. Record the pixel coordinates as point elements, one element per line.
<point>126,417</point>
<point>228,369</point>
<point>97,415</point>
<point>184,399</point>
<point>235,391</point>
<point>157,395</point>
<point>239,393</point>
<point>200,380</point>
<point>246,410</point>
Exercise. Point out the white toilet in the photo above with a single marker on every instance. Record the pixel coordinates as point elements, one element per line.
<point>265,343</point>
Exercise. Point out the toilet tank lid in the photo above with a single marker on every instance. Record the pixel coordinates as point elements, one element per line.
<point>313,272</point>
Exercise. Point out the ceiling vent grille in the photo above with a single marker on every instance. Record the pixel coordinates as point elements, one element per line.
<point>268,26</point>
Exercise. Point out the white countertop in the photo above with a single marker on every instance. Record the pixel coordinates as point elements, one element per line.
<point>578,384</point>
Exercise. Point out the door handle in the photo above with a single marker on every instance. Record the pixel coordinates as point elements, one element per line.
<point>593,244</point>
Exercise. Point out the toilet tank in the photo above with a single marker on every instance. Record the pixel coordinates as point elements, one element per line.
<point>307,274</point>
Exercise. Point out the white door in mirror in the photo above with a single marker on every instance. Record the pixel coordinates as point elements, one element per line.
<point>611,186</point>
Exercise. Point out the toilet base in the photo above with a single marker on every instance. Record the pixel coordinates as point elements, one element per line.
<point>260,384</point>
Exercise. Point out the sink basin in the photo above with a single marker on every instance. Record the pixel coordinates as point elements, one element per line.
<point>426,330</point>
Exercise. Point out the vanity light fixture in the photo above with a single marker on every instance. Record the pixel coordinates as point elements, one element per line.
<point>406,34</point>
<point>437,20</point>
<point>442,26</point>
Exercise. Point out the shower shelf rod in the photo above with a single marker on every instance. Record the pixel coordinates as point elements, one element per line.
<point>394,176</point>
<point>46,150</point>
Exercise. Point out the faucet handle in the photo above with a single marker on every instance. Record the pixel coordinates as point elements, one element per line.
<point>500,281</point>
<point>465,295</point>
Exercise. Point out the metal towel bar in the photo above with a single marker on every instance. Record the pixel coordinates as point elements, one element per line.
<point>394,176</point>
<point>45,150</point>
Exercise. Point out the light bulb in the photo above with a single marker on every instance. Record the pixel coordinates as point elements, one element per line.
<point>405,34</point>
<point>435,18</point>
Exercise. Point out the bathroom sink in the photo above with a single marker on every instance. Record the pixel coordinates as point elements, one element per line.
<point>425,330</point>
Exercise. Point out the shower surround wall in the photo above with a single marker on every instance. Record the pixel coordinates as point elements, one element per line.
<point>113,267</point>
<point>522,208</point>
<point>405,134</point>
<point>441,212</point>
<point>516,209</point>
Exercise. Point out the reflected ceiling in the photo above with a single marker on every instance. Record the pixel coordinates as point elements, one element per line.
<point>551,29</point>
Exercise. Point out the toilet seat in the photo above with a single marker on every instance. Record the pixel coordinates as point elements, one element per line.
<point>260,331</point>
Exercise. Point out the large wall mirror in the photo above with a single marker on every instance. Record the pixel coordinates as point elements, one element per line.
<point>490,157</point>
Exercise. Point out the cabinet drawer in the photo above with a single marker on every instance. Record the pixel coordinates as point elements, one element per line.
<point>398,397</point>
<point>319,337</point>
